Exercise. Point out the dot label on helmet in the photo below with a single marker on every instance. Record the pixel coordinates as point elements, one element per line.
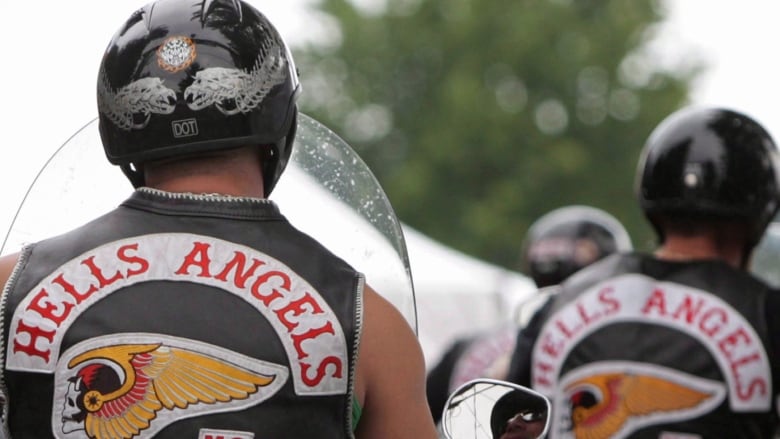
<point>185,128</point>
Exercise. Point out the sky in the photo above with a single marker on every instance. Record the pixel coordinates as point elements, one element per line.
<point>738,38</point>
<point>50,62</point>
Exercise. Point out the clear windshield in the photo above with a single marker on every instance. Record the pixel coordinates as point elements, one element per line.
<point>327,191</point>
<point>766,255</point>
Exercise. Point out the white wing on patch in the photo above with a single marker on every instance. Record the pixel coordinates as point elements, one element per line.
<point>143,97</point>
<point>235,91</point>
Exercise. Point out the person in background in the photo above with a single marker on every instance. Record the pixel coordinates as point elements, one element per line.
<point>567,239</point>
<point>682,342</point>
<point>556,245</point>
<point>518,415</point>
<point>195,309</point>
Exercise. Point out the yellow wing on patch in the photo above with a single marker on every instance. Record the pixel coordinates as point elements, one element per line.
<point>184,377</point>
<point>160,377</point>
<point>646,394</point>
<point>627,396</point>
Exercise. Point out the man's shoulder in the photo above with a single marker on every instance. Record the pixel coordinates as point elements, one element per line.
<point>696,274</point>
<point>602,270</point>
<point>7,265</point>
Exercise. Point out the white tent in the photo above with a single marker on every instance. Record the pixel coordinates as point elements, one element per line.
<point>457,294</point>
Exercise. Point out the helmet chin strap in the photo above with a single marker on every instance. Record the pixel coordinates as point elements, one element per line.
<point>273,169</point>
<point>135,176</point>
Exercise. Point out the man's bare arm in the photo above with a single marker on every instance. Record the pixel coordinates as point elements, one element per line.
<point>391,376</point>
<point>7,264</point>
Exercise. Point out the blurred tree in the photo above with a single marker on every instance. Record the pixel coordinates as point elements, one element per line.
<point>477,117</point>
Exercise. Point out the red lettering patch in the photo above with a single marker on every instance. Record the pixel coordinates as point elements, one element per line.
<point>301,317</point>
<point>728,336</point>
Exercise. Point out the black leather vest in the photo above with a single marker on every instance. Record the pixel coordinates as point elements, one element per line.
<point>641,348</point>
<point>181,316</point>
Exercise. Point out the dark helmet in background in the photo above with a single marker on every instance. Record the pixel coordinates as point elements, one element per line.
<point>568,239</point>
<point>709,163</point>
<point>182,78</point>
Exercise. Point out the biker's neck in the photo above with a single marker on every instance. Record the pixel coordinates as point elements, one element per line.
<point>231,186</point>
<point>237,173</point>
<point>692,248</point>
<point>220,189</point>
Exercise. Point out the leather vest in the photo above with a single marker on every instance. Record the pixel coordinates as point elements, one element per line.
<point>635,347</point>
<point>181,316</point>
<point>486,356</point>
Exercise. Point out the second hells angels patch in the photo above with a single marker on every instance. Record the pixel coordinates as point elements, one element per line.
<point>730,339</point>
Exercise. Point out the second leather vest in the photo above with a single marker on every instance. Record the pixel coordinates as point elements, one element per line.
<point>641,348</point>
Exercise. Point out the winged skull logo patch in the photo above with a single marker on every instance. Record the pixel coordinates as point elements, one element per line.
<point>127,386</point>
<point>614,399</point>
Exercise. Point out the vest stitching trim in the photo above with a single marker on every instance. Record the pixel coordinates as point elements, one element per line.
<point>202,197</point>
<point>360,288</point>
<point>21,261</point>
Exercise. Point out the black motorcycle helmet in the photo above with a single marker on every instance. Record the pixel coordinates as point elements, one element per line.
<point>702,163</point>
<point>568,239</point>
<point>182,78</point>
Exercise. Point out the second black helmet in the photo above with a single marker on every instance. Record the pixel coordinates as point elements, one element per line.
<point>710,163</point>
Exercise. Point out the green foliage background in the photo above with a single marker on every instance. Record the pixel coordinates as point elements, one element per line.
<point>477,117</point>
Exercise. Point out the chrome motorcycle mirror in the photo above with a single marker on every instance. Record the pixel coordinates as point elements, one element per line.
<point>494,409</point>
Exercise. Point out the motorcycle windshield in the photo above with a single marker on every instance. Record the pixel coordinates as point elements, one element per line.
<point>763,263</point>
<point>327,191</point>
